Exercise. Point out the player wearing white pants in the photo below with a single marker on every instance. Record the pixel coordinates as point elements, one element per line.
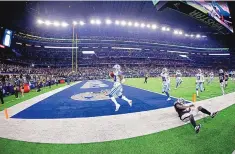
<point>117,89</point>
<point>221,80</point>
<point>199,82</point>
<point>165,83</point>
<point>178,79</point>
<point>211,77</point>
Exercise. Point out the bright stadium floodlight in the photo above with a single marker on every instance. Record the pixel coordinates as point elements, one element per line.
<point>117,22</point>
<point>123,23</point>
<point>176,32</point>
<point>180,32</point>
<point>98,22</point>
<point>92,21</point>
<point>203,36</point>
<point>198,36</point>
<point>154,26</point>
<point>40,21</point>
<point>108,22</point>
<point>75,23</point>
<point>186,35</point>
<point>191,35</point>
<point>129,23</point>
<point>136,24</point>
<point>142,25</point>
<point>81,23</point>
<point>148,25</point>
<point>56,23</point>
<point>47,22</point>
<point>168,29</point>
<point>64,24</point>
<point>163,28</point>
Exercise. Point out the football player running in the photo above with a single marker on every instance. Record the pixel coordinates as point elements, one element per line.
<point>165,83</point>
<point>117,89</point>
<point>221,80</point>
<point>178,78</point>
<point>187,112</point>
<point>226,76</point>
<point>211,77</point>
<point>199,82</point>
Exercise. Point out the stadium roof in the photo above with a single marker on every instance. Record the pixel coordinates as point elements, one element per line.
<point>24,14</point>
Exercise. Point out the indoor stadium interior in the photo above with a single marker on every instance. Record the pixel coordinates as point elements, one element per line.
<point>117,77</point>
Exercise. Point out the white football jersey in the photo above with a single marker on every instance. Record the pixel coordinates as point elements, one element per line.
<point>199,77</point>
<point>165,78</point>
<point>178,75</point>
<point>116,76</point>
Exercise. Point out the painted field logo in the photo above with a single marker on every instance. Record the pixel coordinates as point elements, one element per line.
<point>90,96</point>
<point>94,84</point>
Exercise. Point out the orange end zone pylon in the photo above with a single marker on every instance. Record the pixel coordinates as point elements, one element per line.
<point>194,97</point>
<point>6,113</point>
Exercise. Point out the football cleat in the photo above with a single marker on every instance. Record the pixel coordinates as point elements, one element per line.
<point>214,114</point>
<point>197,128</point>
<point>117,107</point>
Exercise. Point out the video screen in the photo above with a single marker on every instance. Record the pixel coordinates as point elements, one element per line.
<point>1,34</point>
<point>6,41</point>
<point>155,2</point>
<point>216,9</point>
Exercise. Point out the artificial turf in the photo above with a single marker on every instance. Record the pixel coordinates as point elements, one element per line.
<point>185,90</point>
<point>216,136</point>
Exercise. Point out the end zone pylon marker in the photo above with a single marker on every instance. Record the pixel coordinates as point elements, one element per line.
<point>194,98</point>
<point>6,113</point>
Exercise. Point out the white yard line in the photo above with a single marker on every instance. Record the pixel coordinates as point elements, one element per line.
<point>105,128</point>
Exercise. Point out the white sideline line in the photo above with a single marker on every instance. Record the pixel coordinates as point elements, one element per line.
<point>104,128</point>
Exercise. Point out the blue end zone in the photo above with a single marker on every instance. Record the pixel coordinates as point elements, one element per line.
<point>61,105</point>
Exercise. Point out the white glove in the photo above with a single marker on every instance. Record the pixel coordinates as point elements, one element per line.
<point>123,80</point>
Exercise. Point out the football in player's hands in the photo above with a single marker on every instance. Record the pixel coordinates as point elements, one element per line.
<point>111,74</point>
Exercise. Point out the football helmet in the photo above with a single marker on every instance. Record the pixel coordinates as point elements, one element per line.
<point>221,71</point>
<point>117,67</point>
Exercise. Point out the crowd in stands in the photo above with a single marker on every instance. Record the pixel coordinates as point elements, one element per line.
<point>13,77</point>
<point>98,71</point>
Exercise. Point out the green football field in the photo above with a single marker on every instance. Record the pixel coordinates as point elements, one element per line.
<point>216,137</point>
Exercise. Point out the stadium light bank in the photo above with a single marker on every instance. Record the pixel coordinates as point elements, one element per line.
<point>122,23</point>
